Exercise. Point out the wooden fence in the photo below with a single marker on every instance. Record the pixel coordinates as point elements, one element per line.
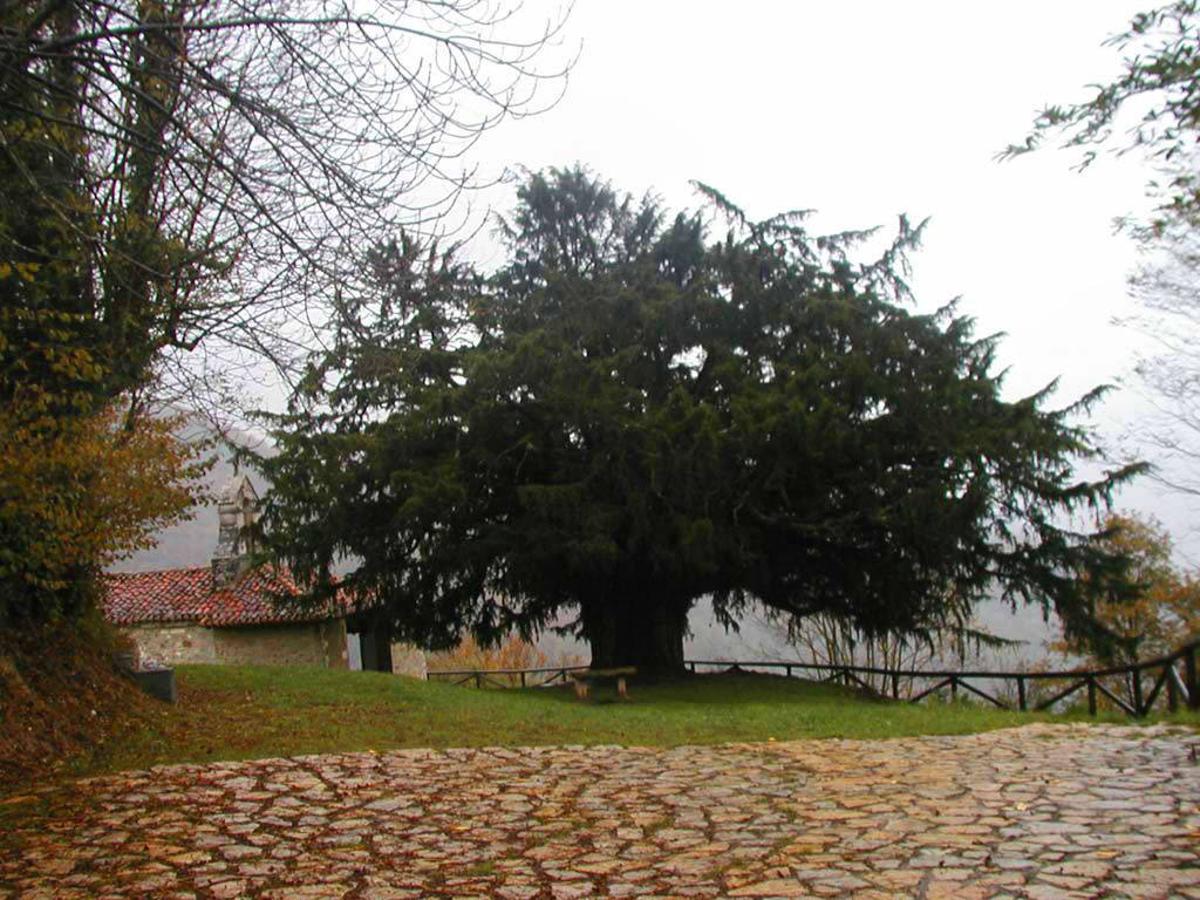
<point>504,678</point>
<point>1146,682</point>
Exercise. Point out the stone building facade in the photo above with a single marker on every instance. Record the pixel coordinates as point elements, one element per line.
<point>291,644</point>
<point>230,613</point>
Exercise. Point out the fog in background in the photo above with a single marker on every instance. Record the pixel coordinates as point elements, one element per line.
<point>191,543</point>
<point>862,111</point>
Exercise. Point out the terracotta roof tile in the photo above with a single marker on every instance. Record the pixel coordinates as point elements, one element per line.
<point>187,595</point>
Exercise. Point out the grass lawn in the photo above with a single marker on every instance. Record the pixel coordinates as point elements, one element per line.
<point>227,712</point>
<point>242,712</point>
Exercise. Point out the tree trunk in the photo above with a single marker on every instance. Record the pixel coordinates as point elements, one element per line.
<point>640,630</point>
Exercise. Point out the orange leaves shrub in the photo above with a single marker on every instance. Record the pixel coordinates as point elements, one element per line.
<point>1163,613</point>
<point>76,493</point>
<point>512,653</point>
<point>1166,608</point>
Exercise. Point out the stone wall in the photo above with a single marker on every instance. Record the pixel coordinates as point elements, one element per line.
<point>308,644</point>
<point>173,643</point>
<point>409,660</point>
<point>311,644</point>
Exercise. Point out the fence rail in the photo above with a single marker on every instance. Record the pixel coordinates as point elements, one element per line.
<point>1146,681</point>
<point>494,677</point>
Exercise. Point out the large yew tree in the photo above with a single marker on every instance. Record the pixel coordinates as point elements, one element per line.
<point>633,414</point>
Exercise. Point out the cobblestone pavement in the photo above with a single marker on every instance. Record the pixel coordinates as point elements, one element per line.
<point>1040,811</point>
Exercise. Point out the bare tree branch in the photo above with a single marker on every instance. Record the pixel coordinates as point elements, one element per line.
<point>260,146</point>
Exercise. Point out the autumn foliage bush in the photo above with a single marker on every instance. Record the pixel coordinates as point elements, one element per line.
<point>1164,610</point>
<point>1162,614</point>
<point>512,653</point>
<point>76,493</point>
<point>87,475</point>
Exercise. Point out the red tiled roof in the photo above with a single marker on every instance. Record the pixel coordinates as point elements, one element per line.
<point>187,595</point>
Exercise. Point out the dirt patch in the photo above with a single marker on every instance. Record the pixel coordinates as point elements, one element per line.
<point>62,700</point>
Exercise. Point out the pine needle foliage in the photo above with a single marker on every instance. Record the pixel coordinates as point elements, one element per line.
<point>637,411</point>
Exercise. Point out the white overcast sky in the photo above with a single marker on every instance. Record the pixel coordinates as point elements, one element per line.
<point>862,111</point>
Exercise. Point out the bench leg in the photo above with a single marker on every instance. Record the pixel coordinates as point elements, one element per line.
<point>621,691</point>
<point>581,690</point>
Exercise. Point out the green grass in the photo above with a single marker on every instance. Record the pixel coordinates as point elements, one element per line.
<point>236,712</point>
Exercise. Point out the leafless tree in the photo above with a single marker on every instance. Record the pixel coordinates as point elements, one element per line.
<point>1152,109</point>
<point>834,641</point>
<point>1167,287</point>
<point>232,160</point>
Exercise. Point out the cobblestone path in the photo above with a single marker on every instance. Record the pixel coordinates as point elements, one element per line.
<point>1041,811</point>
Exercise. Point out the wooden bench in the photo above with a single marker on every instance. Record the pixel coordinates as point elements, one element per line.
<point>583,680</point>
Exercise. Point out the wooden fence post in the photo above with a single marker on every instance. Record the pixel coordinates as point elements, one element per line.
<point>1179,688</point>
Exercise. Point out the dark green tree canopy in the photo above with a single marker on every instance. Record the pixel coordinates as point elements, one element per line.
<point>632,414</point>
